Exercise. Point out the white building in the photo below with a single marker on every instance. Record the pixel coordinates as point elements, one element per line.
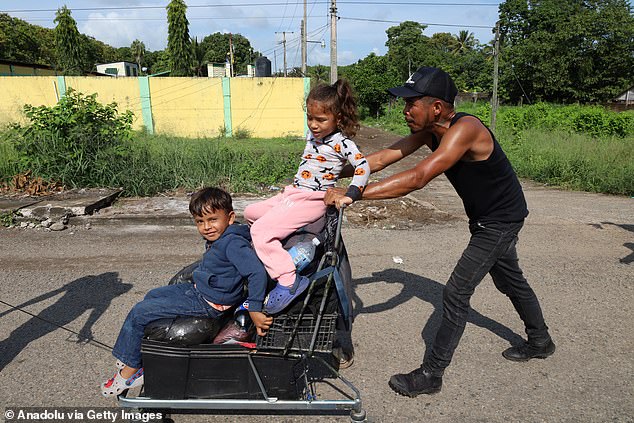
<point>217,70</point>
<point>221,70</point>
<point>119,69</point>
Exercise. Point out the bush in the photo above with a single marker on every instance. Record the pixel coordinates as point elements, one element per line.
<point>578,147</point>
<point>78,142</point>
<point>595,121</point>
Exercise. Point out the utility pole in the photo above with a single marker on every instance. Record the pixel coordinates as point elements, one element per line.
<point>284,45</point>
<point>494,97</point>
<point>230,56</point>
<point>333,42</point>
<point>304,39</point>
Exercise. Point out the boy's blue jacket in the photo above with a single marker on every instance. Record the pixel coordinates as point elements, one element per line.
<point>225,264</point>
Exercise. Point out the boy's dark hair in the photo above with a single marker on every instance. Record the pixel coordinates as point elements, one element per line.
<point>210,199</point>
<point>339,99</point>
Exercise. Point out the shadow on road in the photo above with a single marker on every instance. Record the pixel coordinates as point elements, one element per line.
<point>630,257</point>
<point>86,293</point>
<point>415,286</point>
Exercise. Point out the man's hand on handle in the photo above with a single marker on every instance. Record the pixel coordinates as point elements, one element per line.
<point>337,197</point>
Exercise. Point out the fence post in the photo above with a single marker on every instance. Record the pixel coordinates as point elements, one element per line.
<point>226,94</point>
<point>146,103</point>
<point>61,85</point>
<point>306,91</point>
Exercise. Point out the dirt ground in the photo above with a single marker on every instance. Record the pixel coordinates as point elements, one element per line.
<point>438,203</point>
<point>576,250</point>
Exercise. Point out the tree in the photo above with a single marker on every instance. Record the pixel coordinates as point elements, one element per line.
<point>19,42</point>
<point>157,61</point>
<point>124,54</point>
<point>566,50</point>
<point>370,78</point>
<point>179,46</point>
<point>465,41</point>
<point>137,48</point>
<point>318,74</point>
<point>408,48</point>
<point>216,48</point>
<point>95,52</point>
<point>198,54</point>
<point>472,72</point>
<point>68,43</point>
<point>443,42</point>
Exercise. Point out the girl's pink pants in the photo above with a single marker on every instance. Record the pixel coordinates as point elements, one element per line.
<point>274,219</point>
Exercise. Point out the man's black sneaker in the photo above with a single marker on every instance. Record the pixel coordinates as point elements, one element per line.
<point>420,381</point>
<point>527,351</point>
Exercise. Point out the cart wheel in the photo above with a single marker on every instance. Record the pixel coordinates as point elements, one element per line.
<point>358,416</point>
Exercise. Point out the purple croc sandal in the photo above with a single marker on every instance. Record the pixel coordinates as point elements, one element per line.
<point>281,296</point>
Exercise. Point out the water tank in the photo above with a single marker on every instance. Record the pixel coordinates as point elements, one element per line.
<point>262,67</point>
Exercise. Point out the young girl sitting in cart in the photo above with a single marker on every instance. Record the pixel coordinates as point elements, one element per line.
<point>332,120</point>
<point>218,286</point>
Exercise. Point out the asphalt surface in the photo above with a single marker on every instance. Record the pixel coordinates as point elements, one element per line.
<point>576,249</point>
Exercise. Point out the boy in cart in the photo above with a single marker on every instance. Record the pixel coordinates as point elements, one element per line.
<point>218,286</point>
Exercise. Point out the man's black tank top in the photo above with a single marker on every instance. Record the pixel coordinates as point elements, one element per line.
<point>489,189</point>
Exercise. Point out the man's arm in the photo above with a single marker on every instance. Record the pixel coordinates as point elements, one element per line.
<point>395,152</point>
<point>456,142</point>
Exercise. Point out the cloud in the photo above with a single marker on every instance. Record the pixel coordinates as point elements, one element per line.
<point>119,30</point>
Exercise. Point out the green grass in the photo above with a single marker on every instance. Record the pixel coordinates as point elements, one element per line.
<point>9,160</point>
<point>392,120</point>
<point>155,164</point>
<point>161,163</point>
<point>544,143</point>
<point>572,161</point>
<point>574,147</point>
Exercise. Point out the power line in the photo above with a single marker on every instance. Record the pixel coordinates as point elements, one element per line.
<point>283,17</point>
<point>292,20</point>
<point>295,40</point>
<point>359,2</point>
<point>241,18</point>
<point>424,23</point>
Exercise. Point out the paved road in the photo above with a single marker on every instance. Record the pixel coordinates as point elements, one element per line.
<point>577,250</point>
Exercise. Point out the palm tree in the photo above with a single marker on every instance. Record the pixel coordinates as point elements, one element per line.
<point>466,41</point>
<point>199,51</point>
<point>318,74</point>
<point>137,48</point>
<point>488,50</point>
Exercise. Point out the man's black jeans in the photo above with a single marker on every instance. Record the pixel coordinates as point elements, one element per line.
<point>491,249</point>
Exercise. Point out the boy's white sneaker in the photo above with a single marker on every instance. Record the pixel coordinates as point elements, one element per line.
<point>117,384</point>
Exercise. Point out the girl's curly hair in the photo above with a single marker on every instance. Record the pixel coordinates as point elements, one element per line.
<point>338,98</point>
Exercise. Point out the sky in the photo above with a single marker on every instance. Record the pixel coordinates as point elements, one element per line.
<point>360,29</point>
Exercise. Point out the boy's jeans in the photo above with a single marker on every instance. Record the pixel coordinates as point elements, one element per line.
<point>165,302</point>
<point>491,249</point>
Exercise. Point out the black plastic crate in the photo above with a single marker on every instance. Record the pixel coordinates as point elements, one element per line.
<point>218,372</point>
<point>282,327</point>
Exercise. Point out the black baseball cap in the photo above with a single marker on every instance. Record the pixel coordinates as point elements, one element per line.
<point>428,81</point>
